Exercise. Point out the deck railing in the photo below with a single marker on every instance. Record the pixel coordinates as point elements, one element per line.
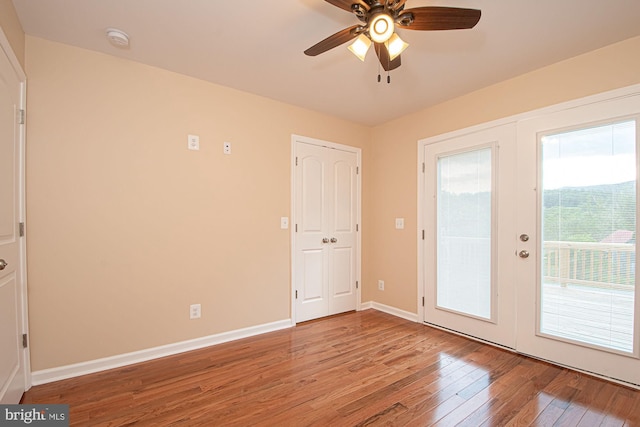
<point>592,264</point>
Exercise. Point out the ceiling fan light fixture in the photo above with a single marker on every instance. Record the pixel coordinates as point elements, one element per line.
<point>395,46</point>
<point>381,28</point>
<point>360,47</point>
<point>378,21</point>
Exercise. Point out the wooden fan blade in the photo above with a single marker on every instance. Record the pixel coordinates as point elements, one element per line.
<point>332,41</point>
<point>430,18</point>
<point>346,4</point>
<point>383,56</point>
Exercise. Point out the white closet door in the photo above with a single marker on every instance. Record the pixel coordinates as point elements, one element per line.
<point>326,243</point>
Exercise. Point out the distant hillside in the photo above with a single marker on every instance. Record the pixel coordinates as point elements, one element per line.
<point>573,214</point>
<point>589,214</point>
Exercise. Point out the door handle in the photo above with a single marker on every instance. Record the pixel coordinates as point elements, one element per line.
<point>334,240</point>
<point>3,264</point>
<point>523,254</point>
<point>325,240</point>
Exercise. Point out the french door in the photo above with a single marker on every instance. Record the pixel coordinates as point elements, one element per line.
<point>468,231</point>
<point>577,291</point>
<point>530,234</point>
<point>325,236</point>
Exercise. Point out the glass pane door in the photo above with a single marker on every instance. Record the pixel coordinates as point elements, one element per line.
<point>468,220</point>
<point>464,248</point>
<point>588,224</point>
<point>577,174</point>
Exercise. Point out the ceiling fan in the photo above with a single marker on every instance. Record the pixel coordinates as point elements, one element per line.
<point>380,18</point>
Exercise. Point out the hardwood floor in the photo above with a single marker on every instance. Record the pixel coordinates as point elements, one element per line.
<point>359,369</point>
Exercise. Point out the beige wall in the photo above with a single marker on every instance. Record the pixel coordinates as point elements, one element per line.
<point>12,29</point>
<point>393,253</point>
<point>127,228</point>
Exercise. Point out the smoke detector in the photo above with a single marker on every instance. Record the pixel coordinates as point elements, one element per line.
<point>117,37</point>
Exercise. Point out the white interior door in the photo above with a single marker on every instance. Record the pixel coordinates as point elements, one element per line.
<point>468,239</point>
<point>577,180</point>
<point>326,255</point>
<point>12,319</point>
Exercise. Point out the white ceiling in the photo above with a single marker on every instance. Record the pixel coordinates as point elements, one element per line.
<point>257,46</point>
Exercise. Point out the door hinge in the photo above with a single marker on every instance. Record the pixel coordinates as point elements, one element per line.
<point>296,294</point>
<point>296,160</point>
<point>20,117</point>
<point>422,234</point>
<point>356,284</point>
<point>357,227</point>
<point>423,301</point>
<point>423,167</point>
<point>357,170</point>
<point>296,228</point>
<point>21,229</point>
<point>24,341</point>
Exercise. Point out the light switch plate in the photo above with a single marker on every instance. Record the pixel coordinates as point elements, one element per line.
<point>399,223</point>
<point>284,222</point>
<point>193,142</point>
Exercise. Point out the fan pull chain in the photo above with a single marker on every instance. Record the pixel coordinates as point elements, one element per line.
<point>388,77</point>
<point>380,75</point>
<point>388,68</point>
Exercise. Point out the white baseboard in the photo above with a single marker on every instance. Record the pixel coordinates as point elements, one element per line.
<point>366,305</point>
<point>69,371</point>
<point>89,367</point>
<point>390,310</point>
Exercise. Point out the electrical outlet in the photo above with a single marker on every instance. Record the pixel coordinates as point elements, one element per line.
<point>284,222</point>
<point>195,311</point>
<point>381,285</point>
<point>193,142</point>
<point>226,149</point>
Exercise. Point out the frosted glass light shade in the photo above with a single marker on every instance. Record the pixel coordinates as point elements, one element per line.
<point>360,47</point>
<point>395,46</point>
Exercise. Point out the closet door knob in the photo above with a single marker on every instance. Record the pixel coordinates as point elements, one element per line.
<point>334,240</point>
<point>325,240</point>
<point>3,264</point>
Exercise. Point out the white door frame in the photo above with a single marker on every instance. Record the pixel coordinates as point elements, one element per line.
<point>303,139</point>
<point>7,50</point>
